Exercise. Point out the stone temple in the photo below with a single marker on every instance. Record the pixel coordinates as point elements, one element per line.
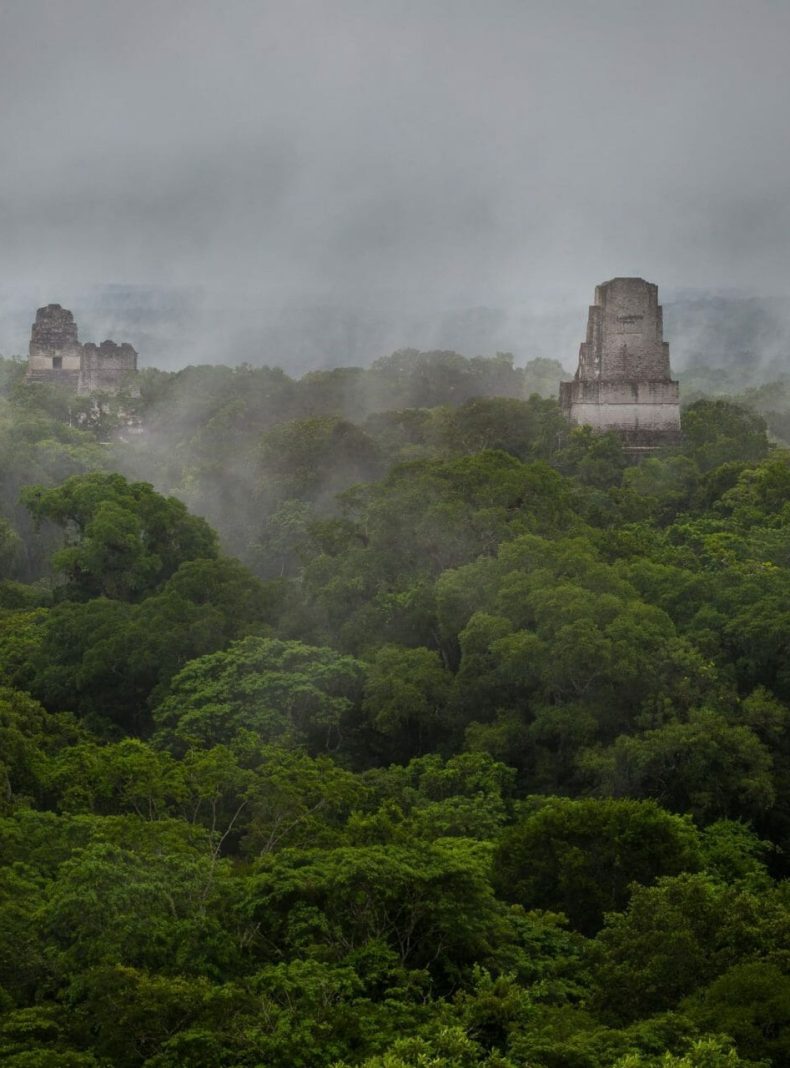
<point>623,382</point>
<point>56,355</point>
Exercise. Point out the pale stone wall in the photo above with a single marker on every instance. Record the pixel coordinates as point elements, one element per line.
<point>625,334</point>
<point>651,417</point>
<point>106,367</point>
<point>623,381</point>
<point>46,362</point>
<point>56,355</point>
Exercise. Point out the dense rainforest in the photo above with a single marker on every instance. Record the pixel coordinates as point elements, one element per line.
<point>375,719</point>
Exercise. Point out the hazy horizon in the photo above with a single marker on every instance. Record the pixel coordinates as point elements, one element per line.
<point>407,161</point>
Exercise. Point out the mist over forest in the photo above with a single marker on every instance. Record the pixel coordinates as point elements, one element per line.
<point>172,328</point>
<point>374,718</point>
<point>357,708</point>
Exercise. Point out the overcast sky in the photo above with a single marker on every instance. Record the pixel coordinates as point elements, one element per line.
<point>448,151</point>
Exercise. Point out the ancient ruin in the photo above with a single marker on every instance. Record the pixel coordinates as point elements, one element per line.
<point>56,355</point>
<point>623,382</point>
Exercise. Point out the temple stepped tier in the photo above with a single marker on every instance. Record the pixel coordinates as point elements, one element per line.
<point>623,382</point>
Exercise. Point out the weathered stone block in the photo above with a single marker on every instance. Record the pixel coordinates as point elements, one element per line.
<point>56,355</point>
<point>623,381</point>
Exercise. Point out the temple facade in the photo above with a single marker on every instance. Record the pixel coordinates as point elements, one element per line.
<point>623,382</point>
<point>56,355</point>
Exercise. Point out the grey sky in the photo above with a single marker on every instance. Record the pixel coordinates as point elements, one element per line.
<point>408,150</point>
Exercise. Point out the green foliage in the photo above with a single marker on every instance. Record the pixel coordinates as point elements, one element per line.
<point>582,856</point>
<point>679,936</point>
<point>595,459</point>
<point>406,696</point>
<point>334,902</point>
<point>467,796</point>
<point>706,766</point>
<point>275,689</point>
<point>527,429</point>
<point>301,459</point>
<point>28,737</point>
<point>491,769</point>
<point>123,539</point>
<point>109,661</point>
<point>751,1003</point>
<point>411,379</point>
<point>705,1053</point>
<point>718,431</point>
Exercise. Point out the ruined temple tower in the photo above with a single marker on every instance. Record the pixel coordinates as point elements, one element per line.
<point>623,380</point>
<point>56,355</point>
